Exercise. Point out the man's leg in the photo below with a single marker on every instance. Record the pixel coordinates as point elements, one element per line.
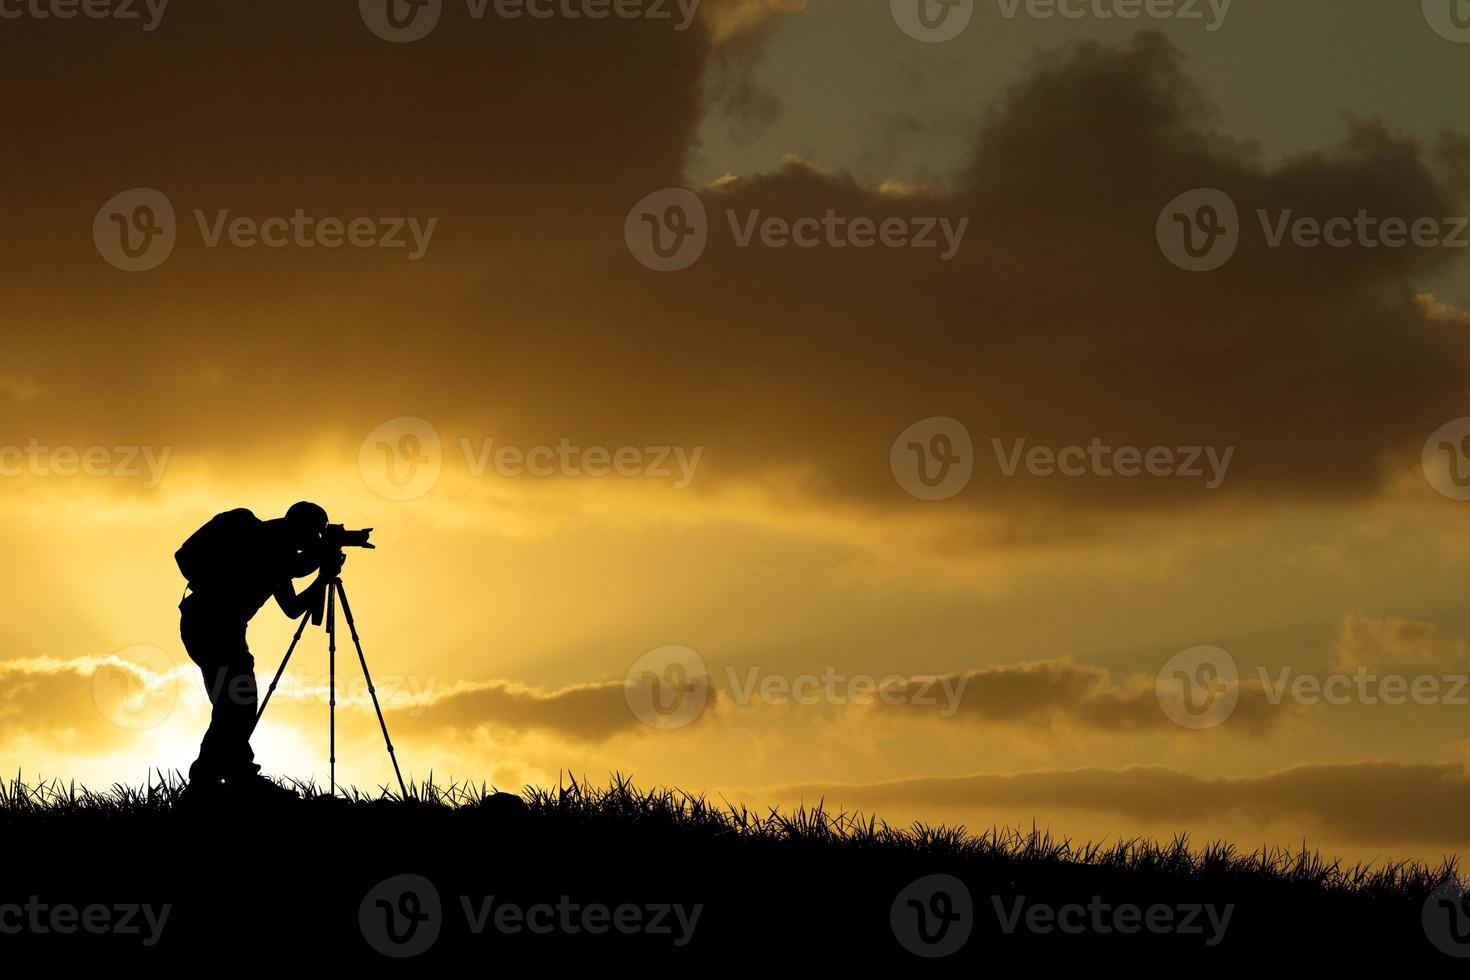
<point>236,720</point>
<point>229,680</point>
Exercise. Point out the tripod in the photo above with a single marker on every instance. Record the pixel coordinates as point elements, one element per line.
<point>335,593</point>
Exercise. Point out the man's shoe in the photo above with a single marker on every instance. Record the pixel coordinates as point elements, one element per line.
<point>201,792</point>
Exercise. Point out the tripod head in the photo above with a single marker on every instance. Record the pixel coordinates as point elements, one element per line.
<point>324,587</point>
<point>335,539</point>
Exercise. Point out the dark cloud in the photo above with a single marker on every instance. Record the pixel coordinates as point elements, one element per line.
<point>1051,693</point>
<point>1059,321</point>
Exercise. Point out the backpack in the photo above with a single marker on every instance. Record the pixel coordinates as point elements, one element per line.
<point>212,553</point>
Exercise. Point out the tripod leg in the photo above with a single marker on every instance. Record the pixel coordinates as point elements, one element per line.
<point>352,627</point>
<point>332,683</point>
<point>280,670</point>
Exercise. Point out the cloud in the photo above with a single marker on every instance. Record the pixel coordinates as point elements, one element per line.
<point>99,700</point>
<point>88,703</point>
<point>1385,643</point>
<point>739,29</point>
<point>742,20</point>
<point>93,706</point>
<point>1053,693</point>
<point>585,712</point>
<point>1366,802</point>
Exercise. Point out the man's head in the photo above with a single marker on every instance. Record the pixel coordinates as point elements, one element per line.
<point>305,523</point>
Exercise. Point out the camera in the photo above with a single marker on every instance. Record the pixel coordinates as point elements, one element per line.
<point>336,537</point>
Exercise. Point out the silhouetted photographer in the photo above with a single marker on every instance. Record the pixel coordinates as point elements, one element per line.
<point>234,564</point>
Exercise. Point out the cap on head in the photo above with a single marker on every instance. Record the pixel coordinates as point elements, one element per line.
<point>306,516</point>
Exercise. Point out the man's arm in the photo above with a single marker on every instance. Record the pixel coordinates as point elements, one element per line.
<point>296,604</point>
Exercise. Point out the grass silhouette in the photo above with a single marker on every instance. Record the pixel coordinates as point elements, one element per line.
<point>295,875</point>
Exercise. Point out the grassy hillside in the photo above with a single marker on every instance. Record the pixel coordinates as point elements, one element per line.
<point>461,875</point>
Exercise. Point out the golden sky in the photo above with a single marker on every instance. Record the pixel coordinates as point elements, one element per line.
<point>757,517</point>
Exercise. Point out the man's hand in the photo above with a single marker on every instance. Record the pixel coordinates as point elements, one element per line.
<point>316,597</point>
<point>309,600</point>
